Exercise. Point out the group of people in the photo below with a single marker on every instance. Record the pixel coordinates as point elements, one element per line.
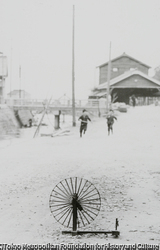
<point>84,118</point>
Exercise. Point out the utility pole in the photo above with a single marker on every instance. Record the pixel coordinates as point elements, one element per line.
<point>11,72</point>
<point>108,80</point>
<point>73,76</point>
<point>19,82</point>
<point>2,77</point>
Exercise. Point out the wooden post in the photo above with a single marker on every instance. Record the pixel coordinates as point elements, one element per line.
<point>11,72</point>
<point>108,81</point>
<point>2,94</point>
<point>63,117</point>
<point>20,82</point>
<point>74,214</point>
<point>56,119</point>
<point>73,77</point>
<point>44,112</point>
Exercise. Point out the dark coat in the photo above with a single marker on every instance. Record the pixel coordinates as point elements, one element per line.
<point>110,119</point>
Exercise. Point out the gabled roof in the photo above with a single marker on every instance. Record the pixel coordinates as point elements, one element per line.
<point>126,75</point>
<point>124,55</point>
<point>15,91</point>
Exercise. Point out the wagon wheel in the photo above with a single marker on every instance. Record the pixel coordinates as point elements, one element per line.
<point>75,202</point>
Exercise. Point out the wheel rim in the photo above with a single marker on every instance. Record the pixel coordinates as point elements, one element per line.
<point>87,198</point>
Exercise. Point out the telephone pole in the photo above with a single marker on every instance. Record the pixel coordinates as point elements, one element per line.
<point>108,81</point>
<point>20,82</point>
<point>73,76</point>
<point>11,73</point>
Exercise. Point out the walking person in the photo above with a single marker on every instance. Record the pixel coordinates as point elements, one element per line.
<point>84,121</point>
<point>133,100</point>
<point>110,120</point>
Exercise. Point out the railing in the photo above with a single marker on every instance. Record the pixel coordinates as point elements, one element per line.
<point>87,103</point>
<point>56,103</point>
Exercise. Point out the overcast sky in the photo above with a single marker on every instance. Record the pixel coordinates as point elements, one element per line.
<point>36,35</point>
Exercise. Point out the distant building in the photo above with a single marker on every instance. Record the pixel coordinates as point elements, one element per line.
<point>19,94</point>
<point>128,77</point>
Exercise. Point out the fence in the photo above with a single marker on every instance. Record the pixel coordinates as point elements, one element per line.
<point>55,103</point>
<point>98,104</point>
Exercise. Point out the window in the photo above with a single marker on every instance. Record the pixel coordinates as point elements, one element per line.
<point>115,69</point>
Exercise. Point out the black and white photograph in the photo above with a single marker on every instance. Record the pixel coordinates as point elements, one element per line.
<point>79,124</point>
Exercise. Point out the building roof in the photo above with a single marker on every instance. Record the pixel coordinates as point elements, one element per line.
<point>124,55</point>
<point>17,91</point>
<point>122,77</point>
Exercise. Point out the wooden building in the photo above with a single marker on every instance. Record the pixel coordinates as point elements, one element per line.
<point>128,77</point>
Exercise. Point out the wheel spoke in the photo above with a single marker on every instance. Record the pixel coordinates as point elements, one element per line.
<point>88,200</point>
<point>59,194</point>
<point>68,187</point>
<point>65,188</point>
<point>88,210</point>
<point>94,208</point>
<point>84,195</point>
<point>81,199</point>
<point>70,211</point>
<point>70,218</point>
<point>79,187</point>
<point>62,211</point>
<point>59,208</point>
<point>79,212</point>
<point>62,190</point>
<point>56,197</point>
<point>76,185</point>
<point>87,190</point>
<point>64,214</point>
<point>85,216</point>
<point>88,214</point>
<point>82,188</point>
<point>59,205</point>
<point>72,186</point>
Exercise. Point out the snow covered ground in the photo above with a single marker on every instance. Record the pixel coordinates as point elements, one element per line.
<point>124,167</point>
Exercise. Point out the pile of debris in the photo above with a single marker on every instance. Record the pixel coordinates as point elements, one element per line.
<point>9,126</point>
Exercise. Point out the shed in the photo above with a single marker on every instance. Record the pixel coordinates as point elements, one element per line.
<point>130,83</point>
